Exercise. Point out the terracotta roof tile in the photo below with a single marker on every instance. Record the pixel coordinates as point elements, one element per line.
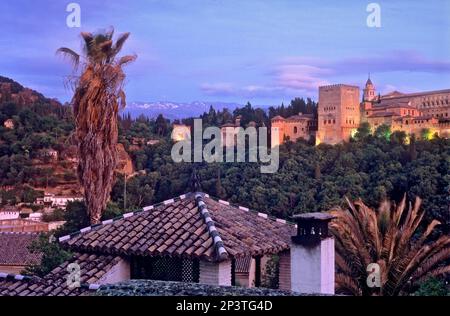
<point>177,228</point>
<point>92,267</point>
<point>15,249</point>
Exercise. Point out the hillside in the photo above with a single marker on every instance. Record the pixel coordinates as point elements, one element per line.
<point>12,91</point>
<point>36,147</point>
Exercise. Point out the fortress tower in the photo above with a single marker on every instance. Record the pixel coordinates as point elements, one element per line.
<point>338,113</point>
<point>369,91</point>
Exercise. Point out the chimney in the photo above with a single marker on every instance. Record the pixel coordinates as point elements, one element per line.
<point>312,255</point>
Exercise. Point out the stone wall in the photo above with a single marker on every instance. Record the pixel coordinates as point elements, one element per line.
<point>164,288</point>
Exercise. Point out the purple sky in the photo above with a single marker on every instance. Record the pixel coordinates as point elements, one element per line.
<point>265,52</point>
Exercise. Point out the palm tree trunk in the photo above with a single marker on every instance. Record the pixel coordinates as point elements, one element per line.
<point>96,114</point>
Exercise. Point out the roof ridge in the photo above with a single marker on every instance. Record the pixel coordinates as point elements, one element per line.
<point>246,209</point>
<point>20,233</point>
<point>27,278</point>
<point>19,277</point>
<point>219,246</point>
<point>125,215</point>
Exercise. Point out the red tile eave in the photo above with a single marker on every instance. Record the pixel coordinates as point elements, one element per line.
<point>184,234</point>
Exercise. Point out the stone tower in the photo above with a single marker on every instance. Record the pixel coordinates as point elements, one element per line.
<point>369,91</point>
<point>339,113</point>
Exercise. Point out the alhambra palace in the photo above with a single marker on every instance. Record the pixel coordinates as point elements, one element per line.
<point>340,113</point>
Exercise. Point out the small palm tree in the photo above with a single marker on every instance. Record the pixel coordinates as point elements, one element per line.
<point>389,237</point>
<point>98,96</point>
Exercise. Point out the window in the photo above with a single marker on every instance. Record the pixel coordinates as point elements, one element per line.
<point>329,121</point>
<point>295,129</point>
<point>165,269</point>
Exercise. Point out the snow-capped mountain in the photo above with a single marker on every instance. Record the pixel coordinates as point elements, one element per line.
<point>175,110</point>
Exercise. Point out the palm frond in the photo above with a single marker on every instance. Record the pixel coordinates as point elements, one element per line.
<point>388,237</point>
<point>433,261</point>
<point>119,43</point>
<point>125,60</point>
<point>70,54</point>
<point>347,285</point>
<point>88,42</point>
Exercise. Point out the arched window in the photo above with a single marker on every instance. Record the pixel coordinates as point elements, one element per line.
<point>295,129</point>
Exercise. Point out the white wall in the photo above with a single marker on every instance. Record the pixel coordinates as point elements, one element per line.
<point>312,268</point>
<point>120,272</point>
<point>215,273</point>
<point>9,215</point>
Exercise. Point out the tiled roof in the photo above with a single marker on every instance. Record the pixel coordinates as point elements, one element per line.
<point>389,104</point>
<point>15,249</point>
<point>22,225</point>
<point>397,94</point>
<point>300,117</point>
<point>92,269</point>
<point>296,117</point>
<point>13,285</point>
<point>9,208</point>
<point>177,228</point>
<point>229,125</point>
<point>383,114</point>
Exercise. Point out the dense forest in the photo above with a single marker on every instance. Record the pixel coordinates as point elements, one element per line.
<point>309,178</point>
<point>374,166</point>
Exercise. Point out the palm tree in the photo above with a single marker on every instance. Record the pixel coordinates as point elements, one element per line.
<point>96,102</point>
<point>390,237</point>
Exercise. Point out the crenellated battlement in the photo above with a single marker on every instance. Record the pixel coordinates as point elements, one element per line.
<point>338,85</point>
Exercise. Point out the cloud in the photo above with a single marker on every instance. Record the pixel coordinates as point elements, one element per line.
<point>299,75</point>
<point>218,89</point>
<point>399,60</point>
<point>286,80</point>
<point>248,91</point>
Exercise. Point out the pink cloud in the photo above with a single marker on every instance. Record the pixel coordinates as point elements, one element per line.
<point>302,75</point>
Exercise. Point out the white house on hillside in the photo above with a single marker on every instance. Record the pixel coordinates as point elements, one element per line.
<point>9,212</point>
